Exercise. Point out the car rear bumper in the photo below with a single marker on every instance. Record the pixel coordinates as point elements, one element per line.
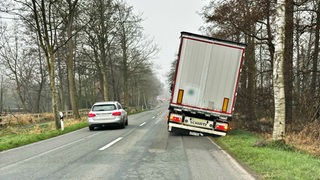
<point>92,122</point>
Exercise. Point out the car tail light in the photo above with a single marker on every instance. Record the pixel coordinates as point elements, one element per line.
<point>175,118</point>
<point>91,115</point>
<point>221,126</point>
<point>117,113</point>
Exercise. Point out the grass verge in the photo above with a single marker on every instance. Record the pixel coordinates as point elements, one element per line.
<point>268,159</point>
<point>11,137</point>
<point>25,130</point>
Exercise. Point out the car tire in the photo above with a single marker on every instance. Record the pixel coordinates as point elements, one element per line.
<point>91,128</point>
<point>123,125</point>
<point>126,122</point>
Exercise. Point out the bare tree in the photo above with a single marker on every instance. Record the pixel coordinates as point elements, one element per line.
<point>127,32</point>
<point>72,7</point>
<point>171,74</point>
<point>113,50</point>
<point>41,80</point>
<point>118,48</point>
<point>45,24</point>
<point>17,58</point>
<point>100,39</point>
<point>45,19</point>
<point>136,50</point>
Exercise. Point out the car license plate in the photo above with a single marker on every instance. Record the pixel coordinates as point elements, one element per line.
<point>198,122</point>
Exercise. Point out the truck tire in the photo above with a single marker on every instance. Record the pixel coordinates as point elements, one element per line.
<point>172,132</point>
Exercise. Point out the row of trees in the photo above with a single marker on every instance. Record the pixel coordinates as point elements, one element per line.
<point>76,52</point>
<point>257,24</point>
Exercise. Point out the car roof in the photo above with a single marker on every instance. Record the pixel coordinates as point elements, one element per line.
<point>106,102</point>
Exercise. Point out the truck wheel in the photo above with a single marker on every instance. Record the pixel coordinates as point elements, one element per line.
<point>172,132</point>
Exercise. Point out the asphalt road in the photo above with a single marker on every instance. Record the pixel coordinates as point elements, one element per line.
<point>143,150</point>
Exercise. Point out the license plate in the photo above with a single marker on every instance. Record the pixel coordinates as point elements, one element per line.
<point>198,122</point>
<point>195,133</point>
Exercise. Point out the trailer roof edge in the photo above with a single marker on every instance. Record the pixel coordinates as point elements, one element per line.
<point>212,38</point>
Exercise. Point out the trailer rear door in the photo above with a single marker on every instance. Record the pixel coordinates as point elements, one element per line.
<point>207,74</point>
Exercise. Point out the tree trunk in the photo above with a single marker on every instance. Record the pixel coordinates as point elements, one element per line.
<point>105,85</point>
<point>18,81</point>
<point>250,54</point>
<point>125,79</point>
<point>70,64</point>
<point>124,47</point>
<point>61,83</point>
<point>278,76</point>
<point>54,98</point>
<point>41,83</point>
<point>316,52</point>
<point>104,71</point>
<point>288,56</point>
<point>46,35</point>
<point>1,95</point>
<point>298,82</point>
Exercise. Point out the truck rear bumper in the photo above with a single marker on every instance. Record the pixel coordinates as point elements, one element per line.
<point>196,129</point>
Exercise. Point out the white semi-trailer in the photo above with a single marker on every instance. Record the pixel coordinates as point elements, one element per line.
<point>205,84</point>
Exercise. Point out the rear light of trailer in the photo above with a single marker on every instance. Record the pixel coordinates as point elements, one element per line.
<point>221,126</point>
<point>117,113</point>
<point>91,115</point>
<point>175,118</point>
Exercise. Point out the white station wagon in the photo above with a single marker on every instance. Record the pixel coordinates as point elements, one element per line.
<point>106,113</point>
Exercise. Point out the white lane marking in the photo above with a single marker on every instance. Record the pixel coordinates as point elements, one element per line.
<point>160,119</point>
<point>110,144</point>
<point>142,124</point>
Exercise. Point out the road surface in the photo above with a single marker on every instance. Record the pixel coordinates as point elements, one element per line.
<point>143,150</point>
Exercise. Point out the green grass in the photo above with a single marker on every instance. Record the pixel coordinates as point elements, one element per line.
<point>271,161</point>
<point>9,139</point>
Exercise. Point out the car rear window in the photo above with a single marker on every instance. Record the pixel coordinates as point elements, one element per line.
<point>104,107</point>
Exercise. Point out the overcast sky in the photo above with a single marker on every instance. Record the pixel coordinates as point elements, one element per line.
<point>163,21</point>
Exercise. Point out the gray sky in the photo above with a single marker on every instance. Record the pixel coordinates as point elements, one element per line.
<point>163,21</point>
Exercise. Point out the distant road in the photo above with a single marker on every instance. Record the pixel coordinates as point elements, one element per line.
<point>143,150</point>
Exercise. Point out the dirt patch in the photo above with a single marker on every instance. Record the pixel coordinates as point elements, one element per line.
<point>308,139</point>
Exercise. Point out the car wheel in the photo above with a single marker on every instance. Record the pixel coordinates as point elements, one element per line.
<point>91,128</point>
<point>127,122</point>
<point>123,125</point>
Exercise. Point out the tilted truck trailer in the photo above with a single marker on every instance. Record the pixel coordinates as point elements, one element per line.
<point>205,85</point>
